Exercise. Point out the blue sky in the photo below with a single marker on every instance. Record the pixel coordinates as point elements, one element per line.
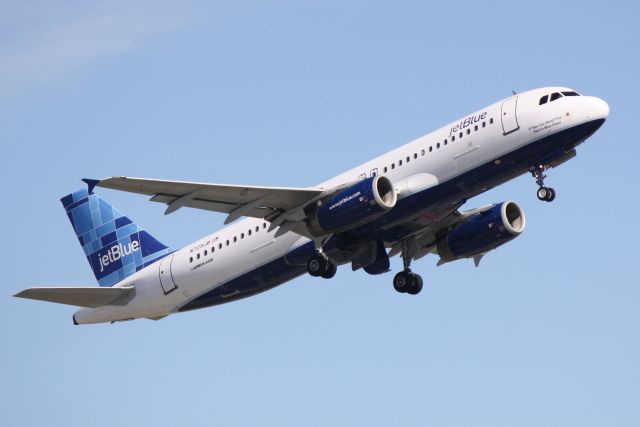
<point>290,93</point>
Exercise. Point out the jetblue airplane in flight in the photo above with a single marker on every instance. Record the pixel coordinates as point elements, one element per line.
<point>404,202</point>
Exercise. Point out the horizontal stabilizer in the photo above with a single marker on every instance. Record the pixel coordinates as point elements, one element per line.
<point>83,297</point>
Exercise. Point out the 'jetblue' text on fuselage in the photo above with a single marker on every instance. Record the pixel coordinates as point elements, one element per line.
<point>467,122</point>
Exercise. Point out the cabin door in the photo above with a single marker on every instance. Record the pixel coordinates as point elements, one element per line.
<point>166,278</point>
<point>509,118</point>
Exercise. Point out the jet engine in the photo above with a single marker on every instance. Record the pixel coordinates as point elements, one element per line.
<point>355,205</point>
<point>483,231</point>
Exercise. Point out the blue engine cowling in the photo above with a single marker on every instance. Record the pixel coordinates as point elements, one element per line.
<point>483,232</point>
<point>353,206</point>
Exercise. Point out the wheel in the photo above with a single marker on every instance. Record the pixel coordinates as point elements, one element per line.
<point>329,271</point>
<point>416,285</point>
<point>402,282</point>
<point>552,195</point>
<point>316,265</point>
<point>543,193</point>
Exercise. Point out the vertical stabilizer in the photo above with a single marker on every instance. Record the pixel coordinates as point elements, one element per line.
<point>115,246</point>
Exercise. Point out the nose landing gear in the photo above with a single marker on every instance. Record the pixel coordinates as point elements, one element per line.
<point>545,194</point>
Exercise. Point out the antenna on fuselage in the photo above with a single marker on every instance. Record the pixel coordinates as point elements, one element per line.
<point>513,92</point>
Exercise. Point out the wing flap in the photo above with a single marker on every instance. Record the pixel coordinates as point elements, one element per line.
<point>83,297</point>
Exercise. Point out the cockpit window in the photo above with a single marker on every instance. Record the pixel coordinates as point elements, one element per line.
<point>544,99</point>
<point>555,95</point>
<point>571,93</point>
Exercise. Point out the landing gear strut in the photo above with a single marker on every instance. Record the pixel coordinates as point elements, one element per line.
<point>406,281</point>
<point>546,194</point>
<point>321,265</point>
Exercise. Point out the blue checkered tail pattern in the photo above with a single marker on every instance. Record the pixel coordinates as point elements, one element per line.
<point>115,246</point>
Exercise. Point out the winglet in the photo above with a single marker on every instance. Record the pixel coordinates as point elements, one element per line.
<point>91,183</point>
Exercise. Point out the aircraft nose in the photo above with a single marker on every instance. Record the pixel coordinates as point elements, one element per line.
<point>600,108</point>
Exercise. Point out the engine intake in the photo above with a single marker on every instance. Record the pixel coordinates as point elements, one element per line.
<point>358,204</point>
<point>483,232</point>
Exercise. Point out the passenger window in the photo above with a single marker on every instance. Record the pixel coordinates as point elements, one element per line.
<point>205,252</point>
<point>198,256</point>
<point>213,249</point>
<point>422,152</point>
<point>264,225</point>
<point>430,148</point>
<point>438,145</point>
<point>385,169</point>
<point>460,135</point>
<point>555,95</point>
<point>257,228</point>
<point>242,235</point>
<point>399,162</point>
<point>468,131</point>
<point>543,100</point>
<point>444,142</point>
<point>476,128</point>
<point>249,232</point>
<point>235,239</point>
<point>484,124</point>
<point>190,259</point>
<point>227,243</point>
<point>453,138</point>
<point>415,155</point>
<point>220,246</point>
<point>393,165</point>
<point>491,121</point>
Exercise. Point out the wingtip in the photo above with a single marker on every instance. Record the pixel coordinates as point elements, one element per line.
<point>20,294</point>
<point>91,183</point>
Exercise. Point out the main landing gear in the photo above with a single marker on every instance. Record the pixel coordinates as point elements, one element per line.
<point>406,281</point>
<point>546,194</point>
<point>320,265</point>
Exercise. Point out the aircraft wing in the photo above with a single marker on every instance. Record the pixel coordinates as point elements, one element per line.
<point>236,200</point>
<point>83,297</point>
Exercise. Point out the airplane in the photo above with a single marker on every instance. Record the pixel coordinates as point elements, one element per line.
<point>405,202</point>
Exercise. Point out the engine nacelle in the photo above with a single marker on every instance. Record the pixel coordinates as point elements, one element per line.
<point>483,232</point>
<point>358,204</point>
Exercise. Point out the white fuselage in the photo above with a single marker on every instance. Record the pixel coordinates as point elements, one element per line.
<point>488,135</point>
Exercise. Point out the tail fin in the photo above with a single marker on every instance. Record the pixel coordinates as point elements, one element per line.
<point>114,246</point>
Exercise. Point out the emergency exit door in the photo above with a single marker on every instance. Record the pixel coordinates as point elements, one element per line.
<point>509,118</point>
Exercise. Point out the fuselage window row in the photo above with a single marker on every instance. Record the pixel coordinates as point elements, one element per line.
<point>438,145</point>
<point>235,239</point>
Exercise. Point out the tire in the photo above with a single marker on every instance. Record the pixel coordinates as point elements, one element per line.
<point>402,282</point>
<point>416,285</point>
<point>329,271</point>
<point>552,195</point>
<point>316,265</point>
<point>543,194</point>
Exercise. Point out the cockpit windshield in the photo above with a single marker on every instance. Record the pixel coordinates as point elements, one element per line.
<point>557,95</point>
